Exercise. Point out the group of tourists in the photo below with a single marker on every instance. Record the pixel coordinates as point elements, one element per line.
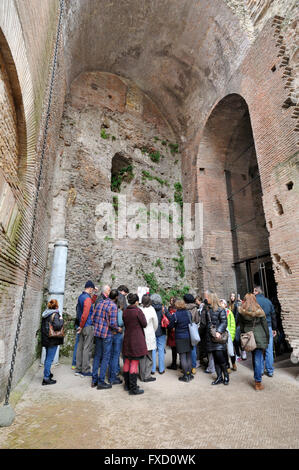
<point>114,324</point>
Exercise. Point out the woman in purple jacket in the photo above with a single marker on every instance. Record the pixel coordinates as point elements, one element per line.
<point>134,345</point>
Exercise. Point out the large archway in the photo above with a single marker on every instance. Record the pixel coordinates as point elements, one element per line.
<point>236,253</point>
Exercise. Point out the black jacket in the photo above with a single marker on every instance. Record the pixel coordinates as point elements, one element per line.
<point>57,325</point>
<point>219,320</point>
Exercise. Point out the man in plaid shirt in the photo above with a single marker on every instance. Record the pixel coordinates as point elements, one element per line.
<point>104,319</point>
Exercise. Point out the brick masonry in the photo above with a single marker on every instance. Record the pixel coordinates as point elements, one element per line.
<point>186,67</point>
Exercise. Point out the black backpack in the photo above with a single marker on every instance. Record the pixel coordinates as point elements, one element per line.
<point>78,316</point>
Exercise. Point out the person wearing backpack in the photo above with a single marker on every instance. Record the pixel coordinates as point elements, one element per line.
<point>85,329</point>
<point>50,315</point>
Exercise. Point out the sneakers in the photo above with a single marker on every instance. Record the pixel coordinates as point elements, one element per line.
<point>184,378</point>
<point>243,355</point>
<point>116,381</point>
<point>193,371</point>
<point>238,359</point>
<point>228,370</point>
<point>268,374</point>
<point>103,386</point>
<point>150,379</point>
<point>83,374</point>
<point>73,367</point>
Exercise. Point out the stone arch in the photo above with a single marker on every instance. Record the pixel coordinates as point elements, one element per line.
<point>13,120</point>
<point>235,234</point>
<point>14,54</point>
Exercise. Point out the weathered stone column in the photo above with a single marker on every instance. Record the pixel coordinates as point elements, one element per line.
<point>57,282</point>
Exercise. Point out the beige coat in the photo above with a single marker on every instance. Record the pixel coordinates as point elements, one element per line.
<point>150,329</point>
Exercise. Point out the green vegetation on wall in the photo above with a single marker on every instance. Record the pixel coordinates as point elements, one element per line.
<point>166,294</point>
<point>180,261</point>
<point>123,174</point>
<point>147,175</point>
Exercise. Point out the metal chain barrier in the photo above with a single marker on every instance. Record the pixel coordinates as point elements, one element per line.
<point>35,205</point>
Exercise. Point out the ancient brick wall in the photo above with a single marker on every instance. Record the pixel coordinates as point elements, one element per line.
<point>109,124</point>
<point>265,81</point>
<point>23,100</point>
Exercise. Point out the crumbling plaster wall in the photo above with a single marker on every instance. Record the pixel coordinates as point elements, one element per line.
<point>106,116</point>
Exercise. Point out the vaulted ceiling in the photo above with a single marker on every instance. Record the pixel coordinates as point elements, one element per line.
<point>176,51</point>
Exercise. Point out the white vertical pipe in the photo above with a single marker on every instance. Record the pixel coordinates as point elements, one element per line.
<point>57,282</point>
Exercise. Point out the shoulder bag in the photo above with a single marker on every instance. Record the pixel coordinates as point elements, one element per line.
<point>193,330</point>
<point>164,322</point>
<point>248,340</point>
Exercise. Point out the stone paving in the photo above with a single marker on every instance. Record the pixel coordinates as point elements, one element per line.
<point>169,415</point>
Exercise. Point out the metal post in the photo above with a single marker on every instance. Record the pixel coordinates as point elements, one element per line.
<point>57,282</point>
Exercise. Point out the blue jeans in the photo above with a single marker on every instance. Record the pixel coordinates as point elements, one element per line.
<point>75,350</point>
<point>269,359</point>
<point>102,355</point>
<point>50,354</point>
<point>258,364</point>
<point>117,341</point>
<point>193,356</point>
<point>161,341</point>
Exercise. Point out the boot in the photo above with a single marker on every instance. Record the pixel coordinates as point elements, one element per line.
<point>48,382</point>
<point>184,378</point>
<point>134,389</point>
<point>219,379</point>
<point>127,381</point>
<point>225,374</point>
<point>234,367</point>
<point>258,386</point>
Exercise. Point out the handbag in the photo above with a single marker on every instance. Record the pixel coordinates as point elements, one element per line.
<point>230,346</point>
<point>248,340</point>
<point>52,332</point>
<point>193,330</point>
<point>223,336</point>
<point>164,322</point>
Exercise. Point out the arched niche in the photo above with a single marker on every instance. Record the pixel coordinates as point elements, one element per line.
<point>235,250</point>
